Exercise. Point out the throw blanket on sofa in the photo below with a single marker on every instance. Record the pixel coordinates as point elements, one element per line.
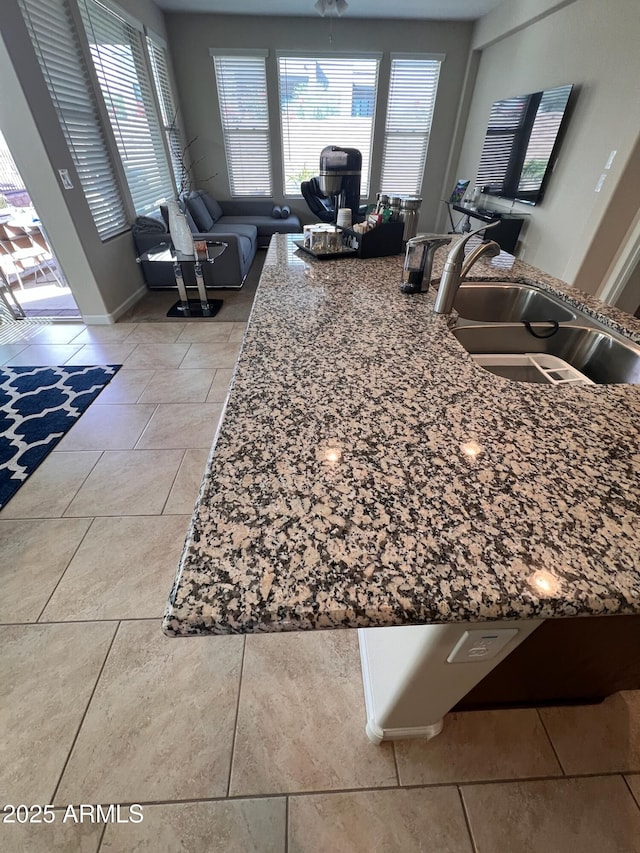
<point>148,225</point>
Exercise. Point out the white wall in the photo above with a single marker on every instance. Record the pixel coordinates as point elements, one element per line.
<point>595,47</point>
<point>103,276</point>
<point>191,36</point>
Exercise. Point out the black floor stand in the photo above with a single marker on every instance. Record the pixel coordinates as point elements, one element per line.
<point>195,309</point>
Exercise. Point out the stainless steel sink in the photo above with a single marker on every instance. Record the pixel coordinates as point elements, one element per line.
<point>600,356</point>
<point>506,302</point>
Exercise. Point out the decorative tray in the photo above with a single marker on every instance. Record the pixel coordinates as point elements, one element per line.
<point>345,252</point>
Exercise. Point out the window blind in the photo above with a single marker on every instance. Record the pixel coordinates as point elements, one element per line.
<point>117,50</point>
<point>168,112</point>
<point>54,38</point>
<point>325,100</point>
<point>242,96</point>
<point>413,86</point>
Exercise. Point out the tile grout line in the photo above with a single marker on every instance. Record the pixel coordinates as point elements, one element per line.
<point>553,746</point>
<point>633,796</point>
<point>395,762</point>
<point>156,406</point>
<point>286,824</point>
<point>213,379</point>
<point>101,452</point>
<point>146,385</point>
<point>83,621</point>
<point>86,711</point>
<point>467,820</point>
<point>59,581</point>
<point>237,714</point>
<point>100,343</point>
<point>327,792</point>
<point>102,834</point>
<point>428,785</point>
<point>173,482</point>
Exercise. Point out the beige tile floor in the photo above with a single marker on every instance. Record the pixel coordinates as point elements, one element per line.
<point>251,744</point>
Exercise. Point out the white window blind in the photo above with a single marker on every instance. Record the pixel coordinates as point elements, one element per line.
<point>325,100</point>
<point>56,45</point>
<point>412,95</point>
<point>242,96</point>
<point>160,71</point>
<point>118,56</point>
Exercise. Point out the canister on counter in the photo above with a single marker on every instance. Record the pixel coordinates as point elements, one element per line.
<point>394,203</point>
<point>409,214</point>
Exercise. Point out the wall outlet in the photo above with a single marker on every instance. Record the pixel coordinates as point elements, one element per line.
<point>478,645</point>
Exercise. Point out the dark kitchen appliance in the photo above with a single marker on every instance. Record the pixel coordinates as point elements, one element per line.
<point>339,178</point>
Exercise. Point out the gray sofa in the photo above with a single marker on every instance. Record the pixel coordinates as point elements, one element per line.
<point>245,226</point>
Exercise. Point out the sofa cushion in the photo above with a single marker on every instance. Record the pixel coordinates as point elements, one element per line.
<point>183,207</point>
<point>267,226</point>
<point>198,210</point>
<point>247,236</point>
<point>212,206</point>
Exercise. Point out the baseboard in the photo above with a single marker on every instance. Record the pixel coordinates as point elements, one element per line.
<point>108,319</point>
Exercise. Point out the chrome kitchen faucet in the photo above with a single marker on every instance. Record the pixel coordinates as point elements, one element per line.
<point>456,268</point>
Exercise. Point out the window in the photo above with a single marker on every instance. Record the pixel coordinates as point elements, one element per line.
<point>363,101</point>
<point>117,50</point>
<point>242,97</point>
<point>412,96</point>
<point>54,38</point>
<point>325,100</point>
<point>160,71</point>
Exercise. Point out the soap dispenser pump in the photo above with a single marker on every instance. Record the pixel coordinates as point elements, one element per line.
<point>418,260</point>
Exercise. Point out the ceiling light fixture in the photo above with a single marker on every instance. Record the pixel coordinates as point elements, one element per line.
<point>330,7</point>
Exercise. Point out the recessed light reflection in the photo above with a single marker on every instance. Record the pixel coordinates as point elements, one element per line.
<point>544,582</point>
<point>472,449</point>
<point>331,451</point>
<point>333,454</point>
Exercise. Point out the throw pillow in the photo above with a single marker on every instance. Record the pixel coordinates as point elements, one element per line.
<point>276,212</point>
<point>201,216</point>
<point>212,205</point>
<point>286,211</point>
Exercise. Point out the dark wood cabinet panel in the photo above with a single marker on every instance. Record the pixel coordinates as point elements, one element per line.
<point>565,661</point>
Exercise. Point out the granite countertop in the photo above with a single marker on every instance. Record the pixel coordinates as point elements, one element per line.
<point>368,473</point>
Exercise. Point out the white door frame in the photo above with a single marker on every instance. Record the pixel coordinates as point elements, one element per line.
<point>620,270</point>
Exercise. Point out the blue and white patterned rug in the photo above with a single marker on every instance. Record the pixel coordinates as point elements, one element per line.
<point>38,405</point>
